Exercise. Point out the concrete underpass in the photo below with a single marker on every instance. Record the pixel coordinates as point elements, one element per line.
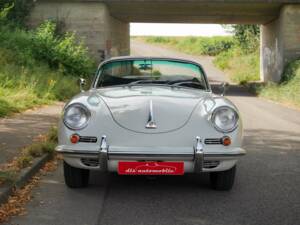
<point>104,24</point>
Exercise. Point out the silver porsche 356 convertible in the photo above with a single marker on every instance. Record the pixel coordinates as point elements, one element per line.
<point>150,116</point>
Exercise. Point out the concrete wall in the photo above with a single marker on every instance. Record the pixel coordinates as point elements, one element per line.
<point>119,33</point>
<point>280,43</point>
<point>92,23</point>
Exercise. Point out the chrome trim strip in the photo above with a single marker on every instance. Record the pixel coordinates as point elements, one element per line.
<point>87,139</point>
<point>224,154</point>
<point>141,156</point>
<point>126,155</point>
<point>151,122</point>
<point>79,152</point>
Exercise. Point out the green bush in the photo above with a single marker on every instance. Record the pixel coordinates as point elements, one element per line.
<point>246,36</point>
<point>18,10</point>
<point>159,40</point>
<point>292,70</point>
<point>63,52</point>
<point>43,45</point>
<point>4,11</point>
<point>222,60</point>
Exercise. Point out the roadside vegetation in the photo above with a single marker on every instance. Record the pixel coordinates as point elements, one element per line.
<point>241,61</point>
<point>238,57</point>
<point>288,90</point>
<point>241,67</point>
<point>37,66</point>
<point>195,45</point>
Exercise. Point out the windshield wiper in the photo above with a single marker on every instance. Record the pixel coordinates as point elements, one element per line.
<point>165,83</point>
<point>179,83</point>
<point>146,82</point>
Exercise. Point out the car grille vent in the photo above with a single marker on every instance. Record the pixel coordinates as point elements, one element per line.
<point>210,164</point>
<point>87,139</point>
<point>213,141</point>
<point>90,162</point>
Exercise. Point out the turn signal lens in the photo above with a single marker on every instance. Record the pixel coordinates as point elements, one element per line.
<point>74,138</point>
<point>226,141</point>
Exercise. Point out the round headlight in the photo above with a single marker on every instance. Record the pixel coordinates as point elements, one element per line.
<point>225,119</point>
<point>76,116</point>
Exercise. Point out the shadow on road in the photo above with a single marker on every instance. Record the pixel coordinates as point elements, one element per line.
<point>263,140</point>
<point>232,90</point>
<point>200,181</point>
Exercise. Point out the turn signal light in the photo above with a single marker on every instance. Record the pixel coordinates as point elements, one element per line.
<point>226,141</point>
<point>74,138</point>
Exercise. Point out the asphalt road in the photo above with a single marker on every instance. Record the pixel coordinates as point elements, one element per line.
<point>20,130</point>
<point>266,192</point>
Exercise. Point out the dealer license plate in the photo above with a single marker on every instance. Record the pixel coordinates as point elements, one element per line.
<point>151,168</point>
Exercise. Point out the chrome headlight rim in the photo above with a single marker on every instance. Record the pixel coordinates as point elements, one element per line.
<point>87,111</point>
<point>213,116</point>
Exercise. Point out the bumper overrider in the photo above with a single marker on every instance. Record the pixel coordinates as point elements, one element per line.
<point>107,156</point>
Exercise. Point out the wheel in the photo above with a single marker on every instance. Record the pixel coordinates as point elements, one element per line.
<point>75,177</point>
<point>223,180</point>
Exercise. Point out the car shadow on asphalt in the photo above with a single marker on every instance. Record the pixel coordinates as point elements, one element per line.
<point>232,90</point>
<point>157,182</point>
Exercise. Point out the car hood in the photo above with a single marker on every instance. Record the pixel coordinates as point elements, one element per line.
<point>171,107</point>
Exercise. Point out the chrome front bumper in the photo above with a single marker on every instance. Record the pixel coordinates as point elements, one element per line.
<point>105,154</point>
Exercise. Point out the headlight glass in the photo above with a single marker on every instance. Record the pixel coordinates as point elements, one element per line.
<point>76,116</point>
<point>225,119</point>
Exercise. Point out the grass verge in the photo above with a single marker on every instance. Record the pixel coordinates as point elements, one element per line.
<point>287,91</point>
<point>23,87</point>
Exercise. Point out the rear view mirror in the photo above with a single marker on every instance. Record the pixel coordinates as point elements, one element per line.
<point>224,87</point>
<point>82,83</point>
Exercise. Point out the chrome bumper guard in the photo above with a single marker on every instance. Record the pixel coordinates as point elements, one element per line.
<point>103,155</point>
<point>199,156</point>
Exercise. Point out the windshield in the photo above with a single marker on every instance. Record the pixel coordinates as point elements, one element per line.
<point>151,72</point>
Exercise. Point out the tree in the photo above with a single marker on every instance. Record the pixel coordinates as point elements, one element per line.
<point>247,36</point>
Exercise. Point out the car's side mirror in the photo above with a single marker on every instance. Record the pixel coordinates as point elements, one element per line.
<point>82,83</point>
<point>224,87</point>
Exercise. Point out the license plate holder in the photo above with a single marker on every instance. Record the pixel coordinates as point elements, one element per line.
<point>150,168</point>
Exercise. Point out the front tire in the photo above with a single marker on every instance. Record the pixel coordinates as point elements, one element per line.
<point>223,180</point>
<point>75,177</point>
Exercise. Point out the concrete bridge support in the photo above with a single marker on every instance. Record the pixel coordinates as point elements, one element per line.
<point>104,35</point>
<point>280,43</point>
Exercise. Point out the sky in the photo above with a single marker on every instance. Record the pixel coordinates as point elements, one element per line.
<point>176,29</point>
